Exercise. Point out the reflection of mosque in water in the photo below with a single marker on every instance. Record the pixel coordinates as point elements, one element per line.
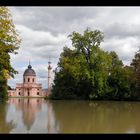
<point>30,107</point>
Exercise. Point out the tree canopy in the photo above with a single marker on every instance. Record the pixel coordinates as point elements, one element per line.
<point>9,43</point>
<point>89,72</point>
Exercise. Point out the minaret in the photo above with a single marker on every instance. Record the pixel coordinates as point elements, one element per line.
<point>49,76</point>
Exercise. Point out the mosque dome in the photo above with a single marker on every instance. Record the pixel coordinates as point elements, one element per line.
<point>29,71</point>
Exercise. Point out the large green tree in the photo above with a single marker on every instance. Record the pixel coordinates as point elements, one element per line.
<point>83,71</point>
<point>97,61</point>
<point>9,43</point>
<point>88,72</point>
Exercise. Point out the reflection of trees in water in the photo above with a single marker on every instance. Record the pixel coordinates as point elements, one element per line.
<point>97,116</point>
<point>5,127</point>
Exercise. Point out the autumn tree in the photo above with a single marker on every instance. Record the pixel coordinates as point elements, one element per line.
<point>9,43</point>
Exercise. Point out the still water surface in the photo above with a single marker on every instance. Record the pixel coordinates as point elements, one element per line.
<point>33,115</point>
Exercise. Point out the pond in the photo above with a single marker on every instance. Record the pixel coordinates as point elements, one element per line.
<point>36,115</point>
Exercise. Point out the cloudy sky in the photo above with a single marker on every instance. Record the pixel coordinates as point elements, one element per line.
<point>44,32</point>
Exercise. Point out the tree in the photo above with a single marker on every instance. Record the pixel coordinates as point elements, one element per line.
<point>9,43</point>
<point>119,78</point>
<point>67,75</point>
<point>85,43</point>
<point>85,68</point>
<point>89,72</point>
<point>136,74</point>
<point>114,75</point>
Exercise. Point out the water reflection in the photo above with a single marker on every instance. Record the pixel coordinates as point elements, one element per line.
<point>5,126</point>
<point>32,115</point>
<point>35,115</point>
<point>97,117</point>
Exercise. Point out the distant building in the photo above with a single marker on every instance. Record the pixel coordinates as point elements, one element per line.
<point>29,87</point>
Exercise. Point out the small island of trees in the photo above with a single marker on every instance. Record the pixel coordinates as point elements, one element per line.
<point>86,71</point>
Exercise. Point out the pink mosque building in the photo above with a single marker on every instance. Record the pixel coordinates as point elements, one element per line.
<point>29,87</point>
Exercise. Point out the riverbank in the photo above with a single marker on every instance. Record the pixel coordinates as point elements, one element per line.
<point>80,99</point>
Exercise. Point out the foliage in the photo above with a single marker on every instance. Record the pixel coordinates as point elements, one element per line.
<point>9,43</point>
<point>136,75</point>
<point>89,72</point>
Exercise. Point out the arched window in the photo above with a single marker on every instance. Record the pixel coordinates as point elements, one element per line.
<point>37,93</point>
<point>28,79</point>
<point>19,93</point>
<point>33,79</point>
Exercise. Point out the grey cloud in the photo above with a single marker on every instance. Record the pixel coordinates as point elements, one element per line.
<point>125,47</point>
<point>54,19</point>
<point>122,30</point>
<point>61,19</point>
<point>41,44</point>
